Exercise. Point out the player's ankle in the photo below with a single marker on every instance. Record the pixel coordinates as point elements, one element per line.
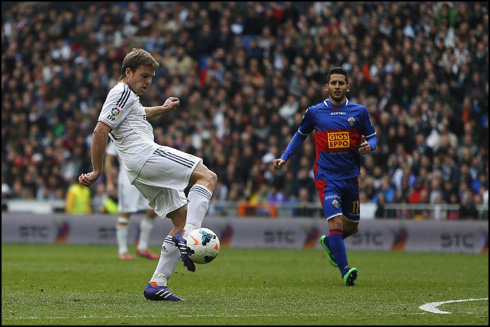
<point>188,228</point>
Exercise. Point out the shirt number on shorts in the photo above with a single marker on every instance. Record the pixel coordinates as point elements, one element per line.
<point>355,206</point>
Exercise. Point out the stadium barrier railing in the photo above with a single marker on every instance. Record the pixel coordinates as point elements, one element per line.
<point>419,211</point>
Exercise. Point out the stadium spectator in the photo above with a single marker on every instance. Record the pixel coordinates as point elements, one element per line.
<point>453,214</point>
<point>418,191</point>
<point>468,208</point>
<point>303,205</point>
<point>381,211</point>
<point>386,188</point>
<point>78,199</point>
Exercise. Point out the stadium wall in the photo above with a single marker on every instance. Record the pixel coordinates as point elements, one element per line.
<point>255,232</point>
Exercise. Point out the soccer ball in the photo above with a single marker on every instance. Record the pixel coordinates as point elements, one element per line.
<point>202,245</point>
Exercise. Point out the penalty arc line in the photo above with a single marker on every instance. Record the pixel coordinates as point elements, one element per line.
<point>432,306</point>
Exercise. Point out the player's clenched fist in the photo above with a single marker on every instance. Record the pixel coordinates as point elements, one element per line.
<point>171,103</point>
<point>278,163</point>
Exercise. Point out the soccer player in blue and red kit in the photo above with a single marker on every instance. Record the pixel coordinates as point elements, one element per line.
<point>343,131</point>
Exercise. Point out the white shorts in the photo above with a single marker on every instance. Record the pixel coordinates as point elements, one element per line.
<point>163,178</point>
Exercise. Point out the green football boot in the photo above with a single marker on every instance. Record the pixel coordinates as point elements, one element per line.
<point>330,257</point>
<point>350,276</point>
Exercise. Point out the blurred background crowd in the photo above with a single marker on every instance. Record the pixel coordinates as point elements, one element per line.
<point>245,72</point>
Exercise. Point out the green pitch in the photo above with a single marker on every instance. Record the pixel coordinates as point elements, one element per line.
<point>88,285</point>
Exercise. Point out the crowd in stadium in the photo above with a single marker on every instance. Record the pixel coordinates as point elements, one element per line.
<point>245,72</point>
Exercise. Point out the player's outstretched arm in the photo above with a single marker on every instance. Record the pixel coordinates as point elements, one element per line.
<point>170,104</point>
<point>296,141</point>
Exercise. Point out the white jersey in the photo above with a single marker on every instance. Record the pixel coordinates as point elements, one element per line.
<point>159,172</point>
<point>131,133</point>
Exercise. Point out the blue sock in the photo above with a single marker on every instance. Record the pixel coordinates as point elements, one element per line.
<point>344,236</point>
<point>337,246</point>
<point>326,241</point>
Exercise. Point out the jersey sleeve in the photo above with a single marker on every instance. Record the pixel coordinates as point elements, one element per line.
<point>304,129</point>
<point>116,106</point>
<point>307,126</point>
<point>367,126</point>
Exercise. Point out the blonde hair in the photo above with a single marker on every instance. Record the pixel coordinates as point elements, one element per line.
<point>136,58</point>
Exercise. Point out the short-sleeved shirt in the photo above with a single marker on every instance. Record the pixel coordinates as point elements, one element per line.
<point>131,133</point>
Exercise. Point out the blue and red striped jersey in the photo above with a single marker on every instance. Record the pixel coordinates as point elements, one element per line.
<point>338,131</point>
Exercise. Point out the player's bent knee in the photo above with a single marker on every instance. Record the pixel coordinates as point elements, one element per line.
<point>209,179</point>
<point>213,178</point>
<point>202,175</point>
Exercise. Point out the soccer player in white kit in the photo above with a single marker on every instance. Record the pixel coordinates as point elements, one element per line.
<point>159,172</point>
<point>129,200</point>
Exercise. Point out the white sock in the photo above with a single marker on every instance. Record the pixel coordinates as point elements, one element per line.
<point>199,198</point>
<point>122,237</point>
<point>146,226</point>
<point>169,258</point>
<point>188,228</point>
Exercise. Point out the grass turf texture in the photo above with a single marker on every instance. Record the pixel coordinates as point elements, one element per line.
<point>88,285</point>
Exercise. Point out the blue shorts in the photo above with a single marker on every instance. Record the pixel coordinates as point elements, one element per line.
<point>340,197</point>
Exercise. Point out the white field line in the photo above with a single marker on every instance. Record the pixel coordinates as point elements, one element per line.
<point>432,306</point>
<point>208,316</point>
